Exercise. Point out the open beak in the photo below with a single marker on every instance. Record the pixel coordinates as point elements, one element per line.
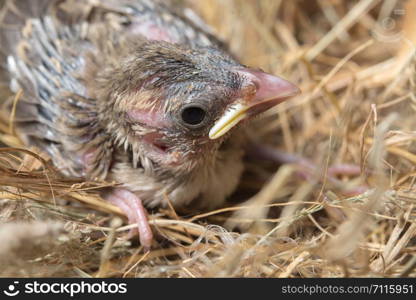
<point>270,91</point>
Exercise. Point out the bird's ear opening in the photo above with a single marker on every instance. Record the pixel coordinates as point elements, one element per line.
<point>150,117</point>
<point>148,126</point>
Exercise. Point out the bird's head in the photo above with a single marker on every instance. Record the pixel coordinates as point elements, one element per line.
<point>175,106</point>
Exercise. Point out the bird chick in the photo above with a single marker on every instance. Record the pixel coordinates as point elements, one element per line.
<point>135,92</point>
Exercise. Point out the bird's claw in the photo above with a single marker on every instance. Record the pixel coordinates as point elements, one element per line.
<point>133,207</point>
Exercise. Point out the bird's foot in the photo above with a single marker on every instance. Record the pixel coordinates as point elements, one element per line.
<point>133,207</point>
<point>307,169</point>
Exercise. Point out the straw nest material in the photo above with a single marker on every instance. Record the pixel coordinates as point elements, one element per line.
<point>347,208</point>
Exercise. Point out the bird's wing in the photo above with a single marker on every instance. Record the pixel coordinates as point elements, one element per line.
<point>42,53</point>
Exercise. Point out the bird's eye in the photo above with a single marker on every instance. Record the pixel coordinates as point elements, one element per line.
<point>193,115</point>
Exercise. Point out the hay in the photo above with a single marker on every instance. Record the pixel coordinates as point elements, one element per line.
<point>354,215</point>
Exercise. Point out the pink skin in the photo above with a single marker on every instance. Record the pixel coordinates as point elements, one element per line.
<point>151,31</point>
<point>88,158</point>
<point>132,206</point>
<point>344,169</point>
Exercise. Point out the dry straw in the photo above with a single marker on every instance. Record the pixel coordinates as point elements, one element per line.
<point>347,208</point>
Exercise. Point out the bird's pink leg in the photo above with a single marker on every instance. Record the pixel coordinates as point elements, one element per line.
<point>133,207</point>
<point>306,167</point>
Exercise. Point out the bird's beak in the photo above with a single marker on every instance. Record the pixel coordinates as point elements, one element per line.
<point>270,91</point>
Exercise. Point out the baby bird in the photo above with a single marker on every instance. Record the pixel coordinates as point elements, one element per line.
<point>133,91</point>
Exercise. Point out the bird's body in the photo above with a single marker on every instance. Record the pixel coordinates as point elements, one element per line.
<point>135,92</point>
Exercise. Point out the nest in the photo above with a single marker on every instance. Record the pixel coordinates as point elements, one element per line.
<point>346,207</point>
